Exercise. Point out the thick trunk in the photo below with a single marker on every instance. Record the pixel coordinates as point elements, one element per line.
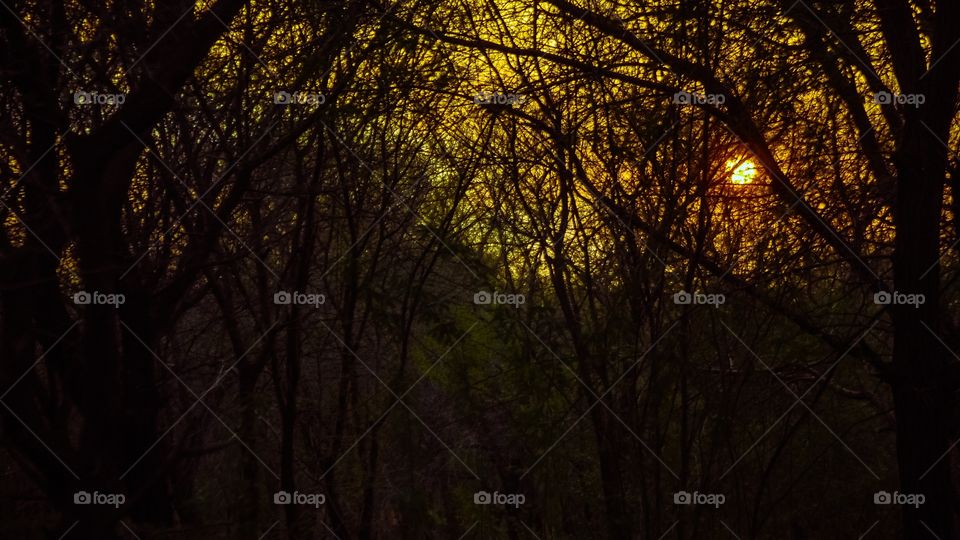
<point>140,418</point>
<point>296,529</point>
<point>924,408</point>
<point>85,526</point>
<point>611,475</point>
<point>247,513</point>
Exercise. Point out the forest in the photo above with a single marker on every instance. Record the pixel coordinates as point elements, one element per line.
<point>479,269</point>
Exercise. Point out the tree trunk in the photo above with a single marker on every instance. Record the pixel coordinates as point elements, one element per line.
<point>924,408</point>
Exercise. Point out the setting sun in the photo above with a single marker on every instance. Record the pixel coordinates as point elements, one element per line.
<point>742,173</point>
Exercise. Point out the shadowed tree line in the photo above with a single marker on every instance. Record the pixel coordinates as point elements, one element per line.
<point>397,255</point>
